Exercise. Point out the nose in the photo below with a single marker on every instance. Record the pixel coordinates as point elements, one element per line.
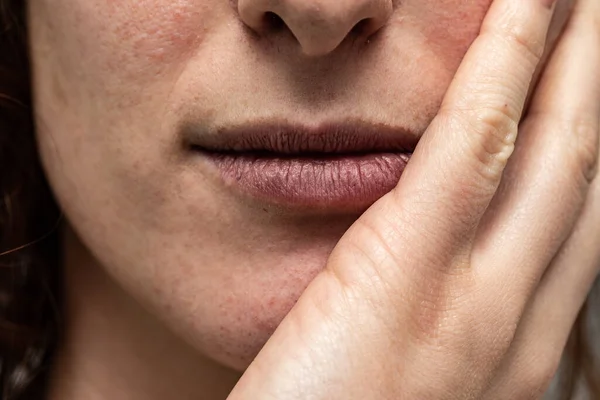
<point>319,26</point>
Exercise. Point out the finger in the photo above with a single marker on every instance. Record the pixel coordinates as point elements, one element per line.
<point>562,14</point>
<point>457,165</point>
<point>547,179</point>
<point>550,314</point>
<point>548,319</point>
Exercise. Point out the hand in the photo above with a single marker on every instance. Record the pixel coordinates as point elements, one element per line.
<point>465,280</point>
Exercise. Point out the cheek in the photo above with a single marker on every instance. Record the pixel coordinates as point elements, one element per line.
<point>134,38</point>
<point>157,31</point>
<point>449,26</point>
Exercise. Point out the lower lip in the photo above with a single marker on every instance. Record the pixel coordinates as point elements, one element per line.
<point>347,181</point>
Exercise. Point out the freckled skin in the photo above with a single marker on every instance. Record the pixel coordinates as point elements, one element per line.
<point>116,79</point>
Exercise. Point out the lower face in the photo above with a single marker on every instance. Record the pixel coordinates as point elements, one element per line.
<point>118,86</point>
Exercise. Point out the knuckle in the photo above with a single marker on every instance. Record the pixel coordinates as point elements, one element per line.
<point>520,36</point>
<point>497,128</point>
<point>575,143</point>
<point>492,131</point>
<point>585,135</point>
<point>524,42</point>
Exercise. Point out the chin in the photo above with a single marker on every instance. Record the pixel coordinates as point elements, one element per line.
<point>245,324</point>
<point>232,319</point>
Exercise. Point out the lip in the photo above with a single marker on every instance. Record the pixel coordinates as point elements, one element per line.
<point>333,166</point>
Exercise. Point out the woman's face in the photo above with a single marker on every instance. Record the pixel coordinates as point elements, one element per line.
<point>121,86</point>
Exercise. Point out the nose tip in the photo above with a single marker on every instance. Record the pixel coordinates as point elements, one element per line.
<point>319,26</point>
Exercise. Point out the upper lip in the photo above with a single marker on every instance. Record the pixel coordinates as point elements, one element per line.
<point>289,138</point>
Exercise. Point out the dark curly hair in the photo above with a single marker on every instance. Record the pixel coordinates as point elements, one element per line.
<point>29,217</point>
<point>30,272</point>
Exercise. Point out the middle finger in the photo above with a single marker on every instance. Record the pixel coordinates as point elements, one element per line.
<point>547,179</point>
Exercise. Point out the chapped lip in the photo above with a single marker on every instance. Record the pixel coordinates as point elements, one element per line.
<point>284,138</point>
<point>332,167</point>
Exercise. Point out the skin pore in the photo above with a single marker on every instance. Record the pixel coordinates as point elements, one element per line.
<point>173,282</point>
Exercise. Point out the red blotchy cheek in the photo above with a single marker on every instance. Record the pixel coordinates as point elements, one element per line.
<point>158,31</point>
<point>450,26</point>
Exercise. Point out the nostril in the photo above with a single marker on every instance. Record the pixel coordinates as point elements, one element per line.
<point>273,22</point>
<point>361,27</point>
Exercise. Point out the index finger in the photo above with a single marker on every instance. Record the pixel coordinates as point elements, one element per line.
<point>458,163</point>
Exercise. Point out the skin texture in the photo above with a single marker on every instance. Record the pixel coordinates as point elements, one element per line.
<point>155,242</point>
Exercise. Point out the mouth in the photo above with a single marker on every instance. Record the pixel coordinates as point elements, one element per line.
<point>343,167</point>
